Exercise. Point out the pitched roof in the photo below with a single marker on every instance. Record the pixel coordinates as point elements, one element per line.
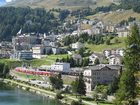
<point>101,67</point>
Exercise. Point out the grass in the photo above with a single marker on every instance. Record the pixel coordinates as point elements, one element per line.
<point>70,4</point>
<point>115,17</point>
<point>102,47</point>
<point>54,57</point>
<point>66,79</point>
<point>90,100</point>
<point>35,62</point>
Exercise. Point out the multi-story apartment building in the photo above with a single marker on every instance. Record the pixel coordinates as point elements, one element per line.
<point>22,55</point>
<point>100,74</point>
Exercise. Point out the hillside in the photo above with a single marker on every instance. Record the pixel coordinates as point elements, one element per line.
<point>101,47</point>
<point>116,16</point>
<point>64,4</point>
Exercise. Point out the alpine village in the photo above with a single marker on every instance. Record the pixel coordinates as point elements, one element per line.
<point>69,52</point>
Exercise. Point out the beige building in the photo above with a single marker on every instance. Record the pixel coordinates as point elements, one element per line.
<point>39,50</point>
<point>110,28</point>
<point>100,74</point>
<point>124,32</point>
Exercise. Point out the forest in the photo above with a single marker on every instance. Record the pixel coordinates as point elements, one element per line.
<point>29,20</point>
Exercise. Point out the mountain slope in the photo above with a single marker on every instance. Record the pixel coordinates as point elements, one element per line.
<point>69,4</point>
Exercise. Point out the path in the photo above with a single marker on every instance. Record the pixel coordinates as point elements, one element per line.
<point>47,92</point>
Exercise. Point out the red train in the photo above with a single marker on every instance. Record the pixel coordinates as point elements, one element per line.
<point>33,71</point>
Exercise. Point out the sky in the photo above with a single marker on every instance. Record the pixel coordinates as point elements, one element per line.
<point>8,0</point>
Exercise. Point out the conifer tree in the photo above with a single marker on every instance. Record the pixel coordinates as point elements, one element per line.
<point>78,86</point>
<point>126,93</point>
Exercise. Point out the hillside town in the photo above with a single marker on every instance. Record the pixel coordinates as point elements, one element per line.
<point>75,56</point>
<point>101,67</point>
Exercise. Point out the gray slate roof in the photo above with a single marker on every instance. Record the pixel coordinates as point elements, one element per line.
<point>100,67</point>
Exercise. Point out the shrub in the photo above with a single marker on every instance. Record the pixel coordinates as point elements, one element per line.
<point>59,95</point>
<point>76,103</point>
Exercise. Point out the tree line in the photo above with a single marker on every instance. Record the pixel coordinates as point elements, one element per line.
<point>74,63</point>
<point>77,87</point>
<point>85,37</point>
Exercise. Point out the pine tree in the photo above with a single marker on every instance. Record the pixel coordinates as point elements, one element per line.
<point>74,85</point>
<point>78,86</point>
<point>81,85</point>
<point>56,82</point>
<point>126,93</point>
<point>5,70</point>
<point>113,87</point>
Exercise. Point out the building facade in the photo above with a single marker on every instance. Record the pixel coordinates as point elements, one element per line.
<point>61,67</point>
<point>77,45</point>
<point>22,55</point>
<point>100,74</point>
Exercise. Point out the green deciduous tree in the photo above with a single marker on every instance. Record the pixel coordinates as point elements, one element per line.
<point>76,103</point>
<point>113,87</point>
<point>56,82</point>
<point>108,42</point>
<point>59,95</point>
<point>4,69</point>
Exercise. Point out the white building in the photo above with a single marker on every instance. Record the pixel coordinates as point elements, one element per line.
<point>107,53</point>
<point>74,33</point>
<point>40,50</point>
<point>138,102</point>
<point>56,50</point>
<point>88,31</point>
<point>120,52</point>
<point>77,45</point>
<point>115,60</point>
<point>123,32</point>
<point>100,24</point>
<point>100,74</point>
<point>61,67</point>
<point>53,44</point>
<point>95,56</point>
<point>96,30</point>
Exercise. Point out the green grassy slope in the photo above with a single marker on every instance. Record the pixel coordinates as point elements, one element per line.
<point>35,62</point>
<point>64,4</point>
<point>115,17</point>
<point>102,47</point>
